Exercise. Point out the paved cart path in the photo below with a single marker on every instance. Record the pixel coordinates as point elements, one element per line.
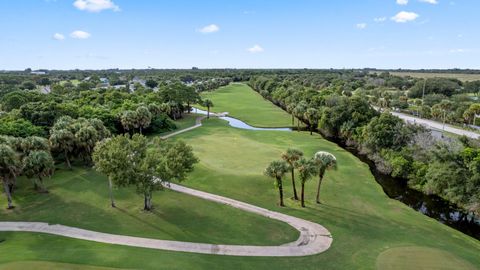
<point>314,238</point>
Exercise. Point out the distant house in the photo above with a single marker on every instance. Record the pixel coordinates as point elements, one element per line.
<point>104,82</point>
<point>140,81</point>
<point>38,72</point>
<point>45,89</point>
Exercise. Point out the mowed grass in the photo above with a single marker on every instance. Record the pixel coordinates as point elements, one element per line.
<point>79,198</point>
<point>249,106</point>
<point>428,75</point>
<point>366,225</point>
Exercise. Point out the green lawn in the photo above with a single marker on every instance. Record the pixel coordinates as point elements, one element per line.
<point>80,198</point>
<point>249,106</point>
<point>369,229</point>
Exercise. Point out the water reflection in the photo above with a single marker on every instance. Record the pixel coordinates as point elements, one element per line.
<point>237,123</point>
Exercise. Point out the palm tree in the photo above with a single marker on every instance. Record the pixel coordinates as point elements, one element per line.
<point>144,117</point>
<point>291,109</point>
<point>208,103</point>
<point>9,168</point>
<point>64,141</point>
<point>38,164</point>
<point>311,114</point>
<point>291,156</point>
<point>323,161</point>
<point>299,111</point>
<point>277,169</point>
<point>306,169</point>
<point>129,120</point>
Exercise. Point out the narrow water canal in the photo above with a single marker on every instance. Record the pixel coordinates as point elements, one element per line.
<point>429,205</point>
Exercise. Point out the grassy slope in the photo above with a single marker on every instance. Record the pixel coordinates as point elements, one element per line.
<point>249,106</point>
<point>363,221</point>
<point>80,198</point>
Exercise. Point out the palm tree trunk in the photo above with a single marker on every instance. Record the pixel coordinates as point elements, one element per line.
<point>303,194</point>
<point>43,189</point>
<point>67,160</point>
<point>295,196</point>
<point>9,196</point>
<point>208,112</point>
<point>298,124</point>
<point>140,130</point>
<point>110,187</point>
<point>320,178</point>
<point>311,129</point>
<point>280,191</point>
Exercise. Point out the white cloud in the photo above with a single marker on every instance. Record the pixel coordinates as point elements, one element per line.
<point>402,2</point>
<point>212,28</point>
<point>58,36</point>
<point>458,50</point>
<point>80,34</point>
<point>404,16</point>
<point>361,25</point>
<point>380,19</point>
<point>95,5</point>
<point>255,49</point>
<point>433,2</point>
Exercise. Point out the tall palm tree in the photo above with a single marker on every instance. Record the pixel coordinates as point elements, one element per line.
<point>129,120</point>
<point>144,117</point>
<point>311,114</point>
<point>306,169</point>
<point>290,110</point>
<point>38,164</point>
<point>299,112</point>
<point>291,156</point>
<point>208,103</point>
<point>277,169</point>
<point>64,141</point>
<point>323,161</point>
<point>9,168</point>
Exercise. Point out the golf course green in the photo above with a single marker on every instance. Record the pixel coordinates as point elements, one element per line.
<point>369,230</point>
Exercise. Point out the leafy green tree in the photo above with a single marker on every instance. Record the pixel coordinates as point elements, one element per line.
<point>323,161</point>
<point>132,161</point>
<point>38,164</point>
<point>151,83</point>
<point>9,168</point>
<point>385,131</point>
<point>111,159</point>
<point>277,169</point>
<point>13,100</point>
<point>208,103</point>
<point>291,156</point>
<point>306,170</point>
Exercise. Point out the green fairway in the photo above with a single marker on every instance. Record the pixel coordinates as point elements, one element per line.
<point>369,230</point>
<point>80,198</point>
<point>249,106</point>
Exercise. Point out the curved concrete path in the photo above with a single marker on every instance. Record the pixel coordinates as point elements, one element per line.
<point>313,239</point>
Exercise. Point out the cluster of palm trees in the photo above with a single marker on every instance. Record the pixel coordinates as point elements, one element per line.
<point>306,113</point>
<point>293,159</point>
<point>28,156</point>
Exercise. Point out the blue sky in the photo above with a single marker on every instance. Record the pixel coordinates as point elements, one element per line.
<point>98,34</point>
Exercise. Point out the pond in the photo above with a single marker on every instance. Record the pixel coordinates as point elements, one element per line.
<point>237,123</point>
